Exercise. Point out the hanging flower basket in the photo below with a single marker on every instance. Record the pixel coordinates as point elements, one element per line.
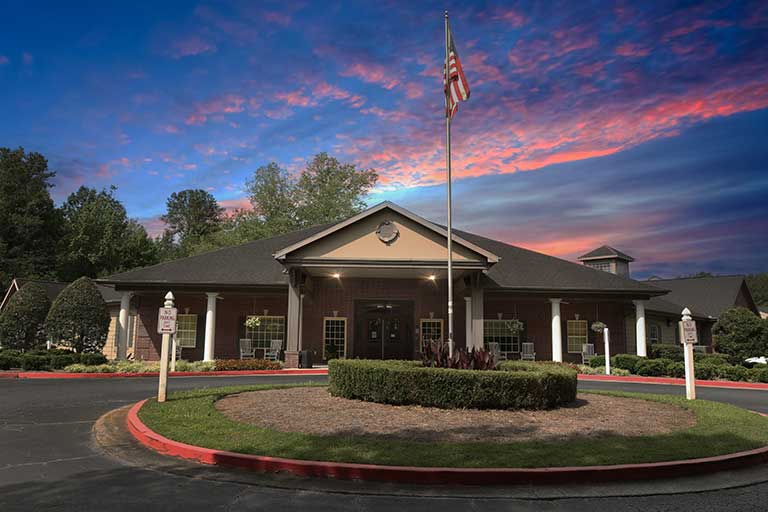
<point>598,326</point>
<point>515,327</point>
<point>252,322</point>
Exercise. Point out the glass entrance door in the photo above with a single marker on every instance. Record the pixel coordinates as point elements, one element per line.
<point>384,330</point>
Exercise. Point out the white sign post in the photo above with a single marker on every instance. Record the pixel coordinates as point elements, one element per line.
<point>607,341</point>
<point>166,325</point>
<point>688,338</point>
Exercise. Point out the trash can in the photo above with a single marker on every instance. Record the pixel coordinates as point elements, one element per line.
<point>305,359</point>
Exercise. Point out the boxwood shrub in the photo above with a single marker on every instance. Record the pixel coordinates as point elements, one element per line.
<point>516,385</point>
<point>92,359</point>
<point>34,362</point>
<point>245,364</point>
<point>626,361</point>
<point>666,351</point>
<point>8,361</point>
<point>653,367</point>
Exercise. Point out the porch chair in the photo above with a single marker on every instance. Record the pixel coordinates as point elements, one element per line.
<point>273,352</point>
<point>587,352</point>
<point>178,351</point>
<point>247,350</point>
<point>528,353</point>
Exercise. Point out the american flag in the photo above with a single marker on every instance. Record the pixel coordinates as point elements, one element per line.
<point>456,88</point>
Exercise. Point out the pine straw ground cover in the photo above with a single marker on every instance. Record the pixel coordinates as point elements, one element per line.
<point>191,417</point>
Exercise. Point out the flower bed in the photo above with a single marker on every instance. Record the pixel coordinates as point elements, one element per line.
<point>515,385</point>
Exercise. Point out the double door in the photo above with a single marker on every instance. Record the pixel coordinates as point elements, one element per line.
<point>384,329</point>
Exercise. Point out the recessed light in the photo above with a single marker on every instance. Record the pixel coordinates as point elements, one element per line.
<point>336,275</point>
<point>432,277</point>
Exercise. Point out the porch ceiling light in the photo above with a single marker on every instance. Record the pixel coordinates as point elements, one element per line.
<point>336,275</point>
<point>432,277</point>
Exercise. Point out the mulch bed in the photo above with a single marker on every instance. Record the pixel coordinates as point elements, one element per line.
<point>312,410</point>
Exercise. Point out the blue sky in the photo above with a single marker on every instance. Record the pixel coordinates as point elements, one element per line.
<point>638,124</point>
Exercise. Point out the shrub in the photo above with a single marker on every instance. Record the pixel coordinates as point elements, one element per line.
<point>517,384</point>
<point>597,361</point>
<point>676,369</point>
<point>202,366</point>
<point>98,368</point>
<point>62,360</point>
<point>758,373</point>
<point>731,372</point>
<point>705,371</point>
<point>246,364</point>
<point>666,351</point>
<point>79,317</point>
<point>93,359</point>
<point>653,367</point>
<point>626,362</point>
<point>8,361</point>
<point>22,320</point>
<point>33,362</point>
<point>740,334</point>
<point>710,359</point>
<point>435,354</point>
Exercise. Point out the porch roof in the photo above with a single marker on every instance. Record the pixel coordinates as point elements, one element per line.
<point>255,264</point>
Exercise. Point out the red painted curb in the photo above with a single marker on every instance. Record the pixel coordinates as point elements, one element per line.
<point>64,375</point>
<point>677,382</point>
<point>438,475</point>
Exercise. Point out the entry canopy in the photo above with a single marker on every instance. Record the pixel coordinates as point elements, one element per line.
<point>385,236</point>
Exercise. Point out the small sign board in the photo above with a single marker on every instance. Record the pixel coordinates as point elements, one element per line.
<point>166,321</point>
<point>689,332</point>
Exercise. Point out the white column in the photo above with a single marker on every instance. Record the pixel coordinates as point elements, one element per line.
<point>557,335</point>
<point>122,326</point>
<point>468,322</point>
<point>478,314</point>
<point>640,327</point>
<point>210,326</point>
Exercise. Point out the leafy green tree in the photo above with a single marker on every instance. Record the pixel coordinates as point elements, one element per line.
<point>79,317</point>
<point>192,214</point>
<point>329,190</point>
<point>272,193</point>
<point>99,239</point>
<point>29,222</point>
<point>740,334</point>
<point>22,321</point>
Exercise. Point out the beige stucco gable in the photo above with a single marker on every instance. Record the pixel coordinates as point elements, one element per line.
<point>359,241</point>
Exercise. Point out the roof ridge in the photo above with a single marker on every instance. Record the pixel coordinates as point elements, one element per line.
<point>743,276</point>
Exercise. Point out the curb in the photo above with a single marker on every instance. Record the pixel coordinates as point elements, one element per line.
<point>439,475</point>
<point>676,382</point>
<point>115,375</point>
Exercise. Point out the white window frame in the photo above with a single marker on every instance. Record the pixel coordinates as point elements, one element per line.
<point>605,266</point>
<point>262,339</point>
<point>651,329</point>
<point>424,321</point>
<point>581,339</point>
<point>494,329</point>
<point>182,330</point>
<point>325,334</point>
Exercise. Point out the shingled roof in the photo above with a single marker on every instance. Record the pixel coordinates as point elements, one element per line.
<point>704,296</point>
<point>605,251</point>
<point>253,264</point>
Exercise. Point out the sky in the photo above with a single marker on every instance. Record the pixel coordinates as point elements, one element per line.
<point>643,125</point>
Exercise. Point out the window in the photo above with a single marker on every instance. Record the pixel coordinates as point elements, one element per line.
<point>430,329</point>
<point>334,337</point>
<point>577,335</point>
<point>653,333</point>
<point>497,331</point>
<point>600,265</point>
<point>186,331</point>
<point>269,328</point>
<point>131,329</point>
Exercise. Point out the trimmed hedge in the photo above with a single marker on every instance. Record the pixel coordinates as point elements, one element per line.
<point>516,385</point>
<point>9,361</point>
<point>666,351</point>
<point>92,359</point>
<point>245,364</point>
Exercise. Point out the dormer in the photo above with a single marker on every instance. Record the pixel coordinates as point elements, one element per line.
<point>608,259</point>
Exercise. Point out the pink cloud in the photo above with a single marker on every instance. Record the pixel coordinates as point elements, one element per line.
<point>278,18</point>
<point>414,90</point>
<point>108,169</point>
<point>189,46</point>
<point>232,206</point>
<point>170,128</point>
<point>395,116</point>
<point>295,98</point>
<point>27,59</point>
<point>227,104</point>
<point>325,90</point>
<point>4,60</point>
<point>631,50</point>
<point>372,73</point>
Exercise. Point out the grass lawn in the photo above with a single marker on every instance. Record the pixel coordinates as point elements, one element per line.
<point>190,417</point>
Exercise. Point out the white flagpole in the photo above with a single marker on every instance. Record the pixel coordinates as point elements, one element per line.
<point>448,168</point>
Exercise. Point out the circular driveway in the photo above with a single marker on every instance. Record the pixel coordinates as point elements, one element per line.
<point>48,461</point>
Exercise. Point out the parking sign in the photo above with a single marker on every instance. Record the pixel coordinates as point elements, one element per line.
<point>166,321</point>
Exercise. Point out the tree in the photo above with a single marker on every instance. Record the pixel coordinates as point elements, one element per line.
<point>192,214</point>
<point>79,317</point>
<point>329,191</point>
<point>273,197</point>
<point>740,334</point>
<point>99,238</point>
<point>29,222</point>
<point>22,321</point>
<point>758,285</point>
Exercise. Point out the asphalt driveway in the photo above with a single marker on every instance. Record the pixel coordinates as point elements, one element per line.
<point>48,460</point>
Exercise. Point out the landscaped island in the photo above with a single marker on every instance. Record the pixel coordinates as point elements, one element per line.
<point>524,415</point>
